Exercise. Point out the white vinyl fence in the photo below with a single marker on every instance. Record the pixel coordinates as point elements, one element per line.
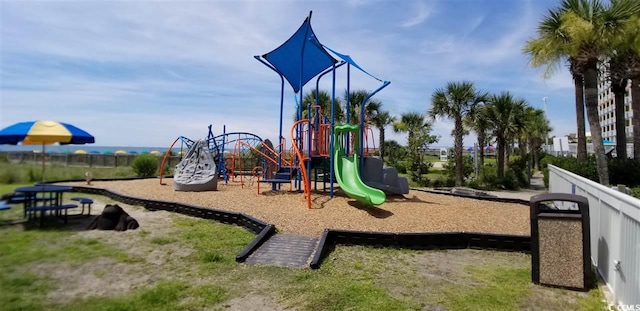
<point>615,232</point>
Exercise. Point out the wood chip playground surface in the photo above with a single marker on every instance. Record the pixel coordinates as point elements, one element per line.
<point>413,212</point>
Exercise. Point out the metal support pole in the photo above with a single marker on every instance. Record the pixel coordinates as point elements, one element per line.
<point>546,139</point>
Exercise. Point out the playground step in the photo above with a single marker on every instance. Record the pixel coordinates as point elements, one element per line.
<point>283,176</point>
<point>287,169</point>
<point>284,250</point>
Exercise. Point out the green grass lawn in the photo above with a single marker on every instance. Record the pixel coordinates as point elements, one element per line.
<point>188,264</point>
<point>175,262</point>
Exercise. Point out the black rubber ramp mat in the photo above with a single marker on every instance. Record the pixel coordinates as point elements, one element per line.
<point>284,250</point>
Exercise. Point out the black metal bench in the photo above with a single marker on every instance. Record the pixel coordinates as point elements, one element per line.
<point>84,201</point>
<point>54,208</point>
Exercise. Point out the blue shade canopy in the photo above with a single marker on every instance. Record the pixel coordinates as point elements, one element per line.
<point>301,57</point>
<point>350,60</point>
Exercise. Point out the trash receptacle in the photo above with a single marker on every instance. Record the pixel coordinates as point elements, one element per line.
<point>560,241</point>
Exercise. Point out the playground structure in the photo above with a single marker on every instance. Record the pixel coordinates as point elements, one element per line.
<point>313,154</point>
<point>197,170</point>
<point>227,151</point>
<point>298,60</point>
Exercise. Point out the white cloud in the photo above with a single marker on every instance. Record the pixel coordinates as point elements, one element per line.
<point>419,14</point>
<point>143,73</point>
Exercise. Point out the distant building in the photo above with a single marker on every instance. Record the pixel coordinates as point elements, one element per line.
<point>607,109</point>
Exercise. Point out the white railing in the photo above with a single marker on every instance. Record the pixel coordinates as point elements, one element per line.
<point>615,232</point>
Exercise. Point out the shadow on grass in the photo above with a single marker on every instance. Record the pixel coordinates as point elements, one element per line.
<point>74,223</point>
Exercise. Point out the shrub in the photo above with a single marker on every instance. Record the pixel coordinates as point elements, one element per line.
<point>474,184</point>
<point>4,157</point>
<point>489,177</point>
<point>34,175</point>
<point>442,182</point>
<point>624,171</point>
<point>518,166</point>
<point>450,182</point>
<point>145,165</point>
<point>509,181</point>
<point>467,169</point>
<point>621,171</point>
<point>400,167</point>
<point>424,182</point>
<point>635,192</point>
<point>9,177</point>
<point>418,169</point>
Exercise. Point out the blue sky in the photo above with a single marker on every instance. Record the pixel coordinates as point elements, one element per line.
<point>142,73</point>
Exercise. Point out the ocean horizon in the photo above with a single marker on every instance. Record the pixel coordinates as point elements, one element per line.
<point>87,148</point>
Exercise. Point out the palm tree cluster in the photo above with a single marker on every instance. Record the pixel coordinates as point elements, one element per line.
<point>589,35</point>
<point>415,125</point>
<point>418,129</point>
<point>374,113</point>
<point>503,116</point>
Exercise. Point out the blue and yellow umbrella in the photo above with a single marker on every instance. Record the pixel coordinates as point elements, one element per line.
<point>44,133</point>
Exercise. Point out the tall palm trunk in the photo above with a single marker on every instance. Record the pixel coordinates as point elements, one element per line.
<point>482,141</point>
<point>582,137</point>
<point>535,147</point>
<point>621,137</point>
<point>459,169</point>
<point>508,147</point>
<point>381,143</point>
<point>635,108</point>
<point>522,145</point>
<point>502,146</point>
<point>591,102</point>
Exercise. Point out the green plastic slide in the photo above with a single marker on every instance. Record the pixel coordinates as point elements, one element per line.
<point>346,169</point>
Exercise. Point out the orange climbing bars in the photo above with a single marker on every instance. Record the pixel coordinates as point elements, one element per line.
<point>301,158</point>
<point>164,159</point>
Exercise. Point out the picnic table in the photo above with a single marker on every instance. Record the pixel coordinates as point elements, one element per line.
<point>44,198</point>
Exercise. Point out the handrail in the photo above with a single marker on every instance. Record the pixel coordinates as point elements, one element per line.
<point>303,169</point>
<point>264,154</point>
<point>164,159</point>
<point>368,130</point>
<point>255,174</point>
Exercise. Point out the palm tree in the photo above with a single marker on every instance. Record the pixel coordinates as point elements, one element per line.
<point>478,122</point>
<point>624,65</point>
<point>578,86</point>
<point>412,123</point>
<point>456,101</point>
<point>324,101</point>
<point>585,26</point>
<point>506,112</point>
<point>537,129</point>
<point>618,77</point>
<point>633,40</point>
<point>355,99</point>
<point>549,49</point>
<point>517,132</point>
<point>417,129</point>
<point>395,151</point>
<point>381,120</point>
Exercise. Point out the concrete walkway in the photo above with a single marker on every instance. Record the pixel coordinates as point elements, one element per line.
<point>537,187</point>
